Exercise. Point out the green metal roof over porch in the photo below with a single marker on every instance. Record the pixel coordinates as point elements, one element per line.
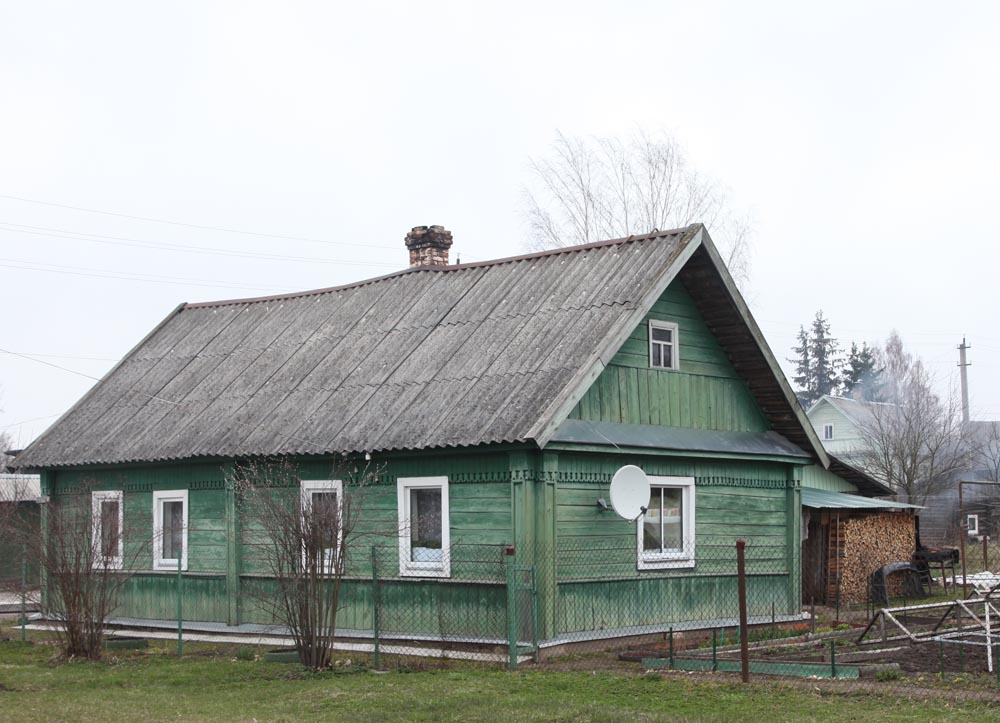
<point>822,499</point>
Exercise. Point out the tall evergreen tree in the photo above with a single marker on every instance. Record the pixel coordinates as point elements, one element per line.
<point>824,354</point>
<point>803,367</point>
<point>860,377</point>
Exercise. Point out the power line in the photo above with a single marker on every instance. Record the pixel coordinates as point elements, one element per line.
<point>223,229</point>
<point>28,421</point>
<point>72,235</point>
<point>68,356</point>
<point>48,363</point>
<point>127,276</point>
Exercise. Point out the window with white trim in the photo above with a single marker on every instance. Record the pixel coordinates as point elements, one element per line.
<point>666,530</point>
<point>170,529</point>
<point>663,345</point>
<point>323,522</point>
<point>827,431</point>
<point>424,534</point>
<point>972,524</point>
<point>106,517</point>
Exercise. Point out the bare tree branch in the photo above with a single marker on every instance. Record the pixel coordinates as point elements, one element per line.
<point>302,538</point>
<point>588,190</point>
<point>916,441</point>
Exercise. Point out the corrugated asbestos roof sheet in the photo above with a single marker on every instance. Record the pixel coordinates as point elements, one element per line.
<point>578,431</point>
<point>427,357</point>
<point>822,499</point>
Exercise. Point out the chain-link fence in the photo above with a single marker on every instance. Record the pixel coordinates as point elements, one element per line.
<point>687,606</point>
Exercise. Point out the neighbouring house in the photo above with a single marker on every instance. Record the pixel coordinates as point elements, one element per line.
<point>18,496</point>
<point>839,422</point>
<point>497,399</point>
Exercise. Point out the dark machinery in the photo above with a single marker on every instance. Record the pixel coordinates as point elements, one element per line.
<point>924,558</point>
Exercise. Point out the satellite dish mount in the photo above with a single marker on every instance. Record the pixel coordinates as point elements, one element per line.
<point>629,492</point>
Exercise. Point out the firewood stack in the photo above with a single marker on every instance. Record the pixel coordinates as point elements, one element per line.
<point>862,543</point>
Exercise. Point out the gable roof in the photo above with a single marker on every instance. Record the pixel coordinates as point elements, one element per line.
<point>864,482</point>
<point>855,411</point>
<point>461,355</point>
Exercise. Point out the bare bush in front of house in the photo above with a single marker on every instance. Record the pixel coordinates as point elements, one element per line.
<point>80,552</point>
<point>300,533</point>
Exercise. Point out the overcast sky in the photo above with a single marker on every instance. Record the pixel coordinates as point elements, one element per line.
<point>861,137</point>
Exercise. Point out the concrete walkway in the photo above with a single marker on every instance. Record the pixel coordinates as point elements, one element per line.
<point>10,602</point>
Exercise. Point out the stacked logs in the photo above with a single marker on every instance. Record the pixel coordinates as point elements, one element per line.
<point>862,543</point>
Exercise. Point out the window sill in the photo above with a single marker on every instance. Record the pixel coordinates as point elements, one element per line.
<point>424,572</point>
<point>671,564</point>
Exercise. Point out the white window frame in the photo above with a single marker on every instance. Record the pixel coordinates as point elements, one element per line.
<point>972,524</point>
<point>674,559</point>
<point>307,487</point>
<point>408,568</point>
<point>827,432</point>
<point>96,498</point>
<point>675,345</point>
<point>159,497</point>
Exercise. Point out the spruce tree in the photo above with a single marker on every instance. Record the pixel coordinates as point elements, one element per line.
<point>860,377</point>
<point>803,368</point>
<point>824,355</point>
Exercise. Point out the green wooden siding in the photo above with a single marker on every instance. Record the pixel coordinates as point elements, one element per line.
<point>480,526</point>
<point>823,479</point>
<point>599,584</point>
<point>704,393</point>
<point>544,503</point>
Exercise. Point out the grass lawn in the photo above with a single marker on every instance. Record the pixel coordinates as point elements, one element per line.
<point>212,684</point>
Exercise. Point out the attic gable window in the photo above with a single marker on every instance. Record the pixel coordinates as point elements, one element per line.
<point>827,431</point>
<point>663,345</point>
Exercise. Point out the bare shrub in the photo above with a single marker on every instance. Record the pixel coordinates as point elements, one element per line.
<point>84,564</point>
<point>302,532</point>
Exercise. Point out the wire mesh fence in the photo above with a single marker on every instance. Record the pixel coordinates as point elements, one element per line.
<point>682,607</point>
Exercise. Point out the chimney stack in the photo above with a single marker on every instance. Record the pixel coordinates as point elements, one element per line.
<point>428,245</point>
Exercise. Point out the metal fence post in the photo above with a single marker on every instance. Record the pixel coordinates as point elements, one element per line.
<point>24,591</point>
<point>671,646</point>
<point>833,658</point>
<point>180,599</point>
<point>511,611</point>
<point>375,606</point>
<point>741,577</point>
<point>715,645</point>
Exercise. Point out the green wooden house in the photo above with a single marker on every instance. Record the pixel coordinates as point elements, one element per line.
<point>498,399</point>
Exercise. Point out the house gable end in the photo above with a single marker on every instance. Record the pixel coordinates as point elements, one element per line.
<point>704,392</point>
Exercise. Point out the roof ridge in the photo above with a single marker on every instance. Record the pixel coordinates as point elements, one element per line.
<point>655,234</point>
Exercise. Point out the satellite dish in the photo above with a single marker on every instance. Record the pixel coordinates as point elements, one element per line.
<point>630,492</point>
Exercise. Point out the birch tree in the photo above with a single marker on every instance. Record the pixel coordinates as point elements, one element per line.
<point>592,189</point>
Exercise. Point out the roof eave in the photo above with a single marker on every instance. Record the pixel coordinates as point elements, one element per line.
<point>765,349</point>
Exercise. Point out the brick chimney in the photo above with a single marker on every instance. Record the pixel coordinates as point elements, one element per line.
<point>428,245</point>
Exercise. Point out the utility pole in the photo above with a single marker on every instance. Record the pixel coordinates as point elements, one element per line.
<point>963,364</point>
